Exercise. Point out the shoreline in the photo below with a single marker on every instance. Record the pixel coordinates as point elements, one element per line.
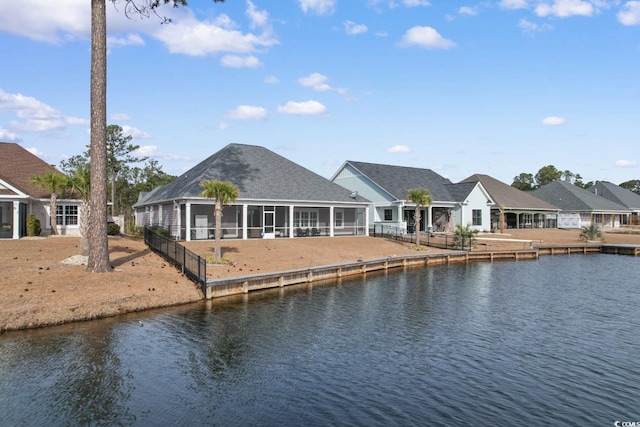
<point>40,290</point>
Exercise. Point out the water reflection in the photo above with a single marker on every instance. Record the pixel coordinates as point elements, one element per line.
<point>535,343</point>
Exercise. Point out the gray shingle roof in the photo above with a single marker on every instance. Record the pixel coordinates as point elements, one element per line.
<point>617,194</point>
<point>398,180</point>
<point>259,174</point>
<point>508,196</point>
<point>570,197</point>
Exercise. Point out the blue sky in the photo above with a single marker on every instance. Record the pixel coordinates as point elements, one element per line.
<point>493,87</point>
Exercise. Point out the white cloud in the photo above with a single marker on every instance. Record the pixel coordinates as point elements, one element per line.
<point>626,164</point>
<point>315,81</point>
<point>35,115</point>
<point>64,20</point>
<point>351,28</point>
<point>414,3</point>
<point>306,108</point>
<point>425,37</point>
<point>199,38</point>
<point>259,18</point>
<point>128,40</point>
<point>36,152</point>
<point>235,61</point>
<point>318,7</point>
<point>630,13</point>
<point>46,21</point>
<point>271,80</point>
<point>6,135</point>
<point>318,81</point>
<point>565,8</point>
<point>247,112</point>
<point>399,149</point>
<point>147,151</point>
<point>531,27</point>
<point>553,121</point>
<point>514,4</point>
<point>120,116</point>
<point>135,132</point>
<point>153,151</point>
<point>466,10</point>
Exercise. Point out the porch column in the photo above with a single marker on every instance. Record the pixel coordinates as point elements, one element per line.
<point>291,221</point>
<point>16,220</point>
<point>245,211</point>
<point>366,221</point>
<point>332,220</point>
<point>187,226</point>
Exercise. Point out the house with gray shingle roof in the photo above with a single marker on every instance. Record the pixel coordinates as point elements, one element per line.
<point>277,198</point>
<point>521,209</point>
<point>387,187</point>
<point>19,198</point>
<point>580,207</point>
<point>620,195</point>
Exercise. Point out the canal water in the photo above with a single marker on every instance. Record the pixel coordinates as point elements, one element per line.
<point>549,342</point>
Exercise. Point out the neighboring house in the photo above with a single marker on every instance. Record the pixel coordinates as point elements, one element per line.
<point>622,196</point>
<point>521,209</point>
<point>387,187</point>
<point>19,198</point>
<point>277,198</point>
<point>580,207</point>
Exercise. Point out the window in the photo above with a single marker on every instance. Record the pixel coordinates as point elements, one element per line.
<point>476,217</point>
<point>339,220</point>
<point>388,214</point>
<point>66,215</point>
<point>305,219</point>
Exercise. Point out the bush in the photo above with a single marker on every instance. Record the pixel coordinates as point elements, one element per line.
<point>113,229</point>
<point>158,229</point>
<point>33,226</point>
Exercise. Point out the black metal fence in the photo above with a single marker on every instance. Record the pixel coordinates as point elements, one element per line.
<point>192,265</point>
<point>434,240</point>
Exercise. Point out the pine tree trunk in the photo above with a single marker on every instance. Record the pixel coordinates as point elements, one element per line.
<point>97,234</point>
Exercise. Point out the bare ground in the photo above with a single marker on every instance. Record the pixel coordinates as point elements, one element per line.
<point>38,289</point>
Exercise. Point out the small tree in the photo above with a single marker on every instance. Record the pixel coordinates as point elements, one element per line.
<point>463,236</point>
<point>80,185</point>
<point>421,197</point>
<point>590,232</point>
<point>56,184</point>
<point>224,193</point>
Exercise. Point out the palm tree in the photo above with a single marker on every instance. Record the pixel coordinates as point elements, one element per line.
<point>502,207</point>
<point>55,183</point>
<point>590,232</point>
<point>421,197</point>
<point>464,236</point>
<point>224,193</point>
<point>80,184</point>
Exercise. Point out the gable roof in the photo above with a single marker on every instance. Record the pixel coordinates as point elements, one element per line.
<point>17,166</point>
<point>570,197</point>
<point>617,194</point>
<point>508,196</point>
<point>398,180</point>
<point>259,174</point>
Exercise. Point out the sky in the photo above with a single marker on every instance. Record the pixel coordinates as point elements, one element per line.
<point>496,87</point>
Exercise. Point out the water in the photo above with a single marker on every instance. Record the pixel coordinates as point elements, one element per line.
<point>548,342</point>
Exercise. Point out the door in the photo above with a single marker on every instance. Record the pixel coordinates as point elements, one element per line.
<point>201,231</point>
<point>268,229</point>
<point>360,223</point>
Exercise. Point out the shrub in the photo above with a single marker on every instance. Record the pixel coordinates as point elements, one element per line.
<point>590,232</point>
<point>33,226</point>
<point>113,229</point>
<point>158,229</point>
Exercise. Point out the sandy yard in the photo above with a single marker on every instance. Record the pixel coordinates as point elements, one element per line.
<point>37,288</point>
